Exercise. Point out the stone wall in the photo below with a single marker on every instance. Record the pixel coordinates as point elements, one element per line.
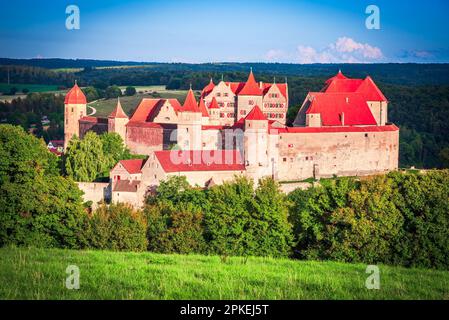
<point>324,154</point>
<point>95,192</point>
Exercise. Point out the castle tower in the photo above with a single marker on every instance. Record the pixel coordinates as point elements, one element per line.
<point>189,124</point>
<point>256,139</point>
<point>117,121</point>
<point>74,109</point>
<point>214,112</point>
<point>250,96</point>
<point>204,112</point>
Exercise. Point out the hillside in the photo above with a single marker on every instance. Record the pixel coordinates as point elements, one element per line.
<point>40,274</point>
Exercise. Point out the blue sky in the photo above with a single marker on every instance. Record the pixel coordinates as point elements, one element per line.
<point>240,31</point>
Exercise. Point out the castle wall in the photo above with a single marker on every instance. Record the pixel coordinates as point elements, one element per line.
<point>201,177</point>
<point>246,104</point>
<point>275,105</point>
<point>95,192</point>
<point>324,154</point>
<point>143,140</point>
<point>100,126</point>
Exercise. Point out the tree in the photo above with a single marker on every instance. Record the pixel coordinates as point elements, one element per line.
<point>113,92</point>
<point>38,207</point>
<point>114,149</point>
<point>130,91</point>
<point>84,159</point>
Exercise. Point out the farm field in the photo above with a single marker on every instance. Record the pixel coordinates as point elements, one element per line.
<point>129,103</point>
<point>27,273</point>
<point>4,87</point>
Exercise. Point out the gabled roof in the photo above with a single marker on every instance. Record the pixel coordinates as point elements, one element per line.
<point>251,87</point>
<point>207,89</point>
<point>334,106</point>
<point>370,90</point>
<point>281,86</point>
<point>255,114</point>
<point>190,104</point>
<point>338,76</point>
<point>214,104</point>
<point>75,96</point>
<point>133,166</point>
<point>145,109</point>
<point>203,108</point>
<point>200,160</point>
<point>118,111</point>
<point>366,87</point>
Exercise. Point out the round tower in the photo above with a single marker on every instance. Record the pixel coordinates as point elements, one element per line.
<point>74,109</point>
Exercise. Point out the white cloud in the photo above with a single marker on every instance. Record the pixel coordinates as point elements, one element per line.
<point>275,55</point>
<point>344,50</point>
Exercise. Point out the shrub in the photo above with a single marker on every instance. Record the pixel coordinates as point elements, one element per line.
<point>115,227</point>
<point>241,222</point>
<point>173,230</point>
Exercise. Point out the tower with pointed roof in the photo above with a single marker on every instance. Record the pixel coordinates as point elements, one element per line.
<point>117,121</point>
<point>249,96</point>
<point>74,109</point>
<point>189,124</point>
<point>256,139</point>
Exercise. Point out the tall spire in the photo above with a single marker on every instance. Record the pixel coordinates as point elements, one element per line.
<point>190,104</point>
<point>251,87</point>
<point>118,111</point>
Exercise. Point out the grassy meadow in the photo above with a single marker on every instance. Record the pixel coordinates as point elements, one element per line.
<point>27,273</point>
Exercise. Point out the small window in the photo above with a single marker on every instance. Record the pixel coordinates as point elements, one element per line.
<point>307,158</point>
<point>366,135</point>
<point>285,159</point>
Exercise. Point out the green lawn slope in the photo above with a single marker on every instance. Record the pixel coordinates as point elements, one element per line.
<point>41,273</point>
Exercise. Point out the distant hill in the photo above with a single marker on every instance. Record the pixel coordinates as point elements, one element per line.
<point>406,74</point>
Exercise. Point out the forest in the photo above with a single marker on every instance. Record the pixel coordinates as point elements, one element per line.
<point>418,94</point>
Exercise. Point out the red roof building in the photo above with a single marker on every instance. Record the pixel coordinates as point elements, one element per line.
<point>256,114</point>
<point>133,166</point>
<point>75,96</point>
<point>251,87</point>
<point>200,160</point>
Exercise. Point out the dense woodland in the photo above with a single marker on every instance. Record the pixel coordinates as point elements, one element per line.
<point>398,219</point>
<point>418,94</point>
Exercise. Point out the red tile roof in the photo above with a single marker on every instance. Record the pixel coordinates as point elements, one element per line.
<point>207,89</point>
<point>214,104</point>
<point>255,114</point>
<point>390,127</point>
<point>200,160</point>
<point>251,87</point>
<point>75,96</point>
<point>281,86</point>
<point>133,166</point>
<point>203,108</point>
<point>118,111</point>
<point>145,109</point>
<point>366,87</point>
<point>126,185</point>
<point>190,104</point>
<point>338,76</point>
<point>332,107</point>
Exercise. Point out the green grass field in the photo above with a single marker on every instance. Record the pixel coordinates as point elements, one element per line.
<point>40,274</point>
<point>105,107</point>
<point>4,87</point>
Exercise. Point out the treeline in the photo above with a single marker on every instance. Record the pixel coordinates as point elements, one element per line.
<point>35,75</point>
<point>394,73</point>
<point>398,219</point>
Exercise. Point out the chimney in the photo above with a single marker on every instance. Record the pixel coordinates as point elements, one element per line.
<point>347,99</point>
<point>342,118</point>
<point>260,84</point>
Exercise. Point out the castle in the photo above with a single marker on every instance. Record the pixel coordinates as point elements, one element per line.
<point>239,129</point>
